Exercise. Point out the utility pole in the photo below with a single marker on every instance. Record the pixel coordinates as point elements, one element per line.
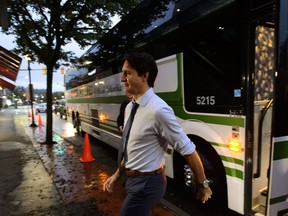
<point>31,94</point>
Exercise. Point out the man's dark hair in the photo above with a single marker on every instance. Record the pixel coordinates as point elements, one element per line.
<point>143,63</point>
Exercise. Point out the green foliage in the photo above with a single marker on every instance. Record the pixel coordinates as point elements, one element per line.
<point>43,27</point>
<point>58,96</point>
<point>18,93</point>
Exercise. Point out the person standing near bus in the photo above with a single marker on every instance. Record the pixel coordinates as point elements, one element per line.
<point>77,123</point>
<point>120,118</point>
<point>154,126</point>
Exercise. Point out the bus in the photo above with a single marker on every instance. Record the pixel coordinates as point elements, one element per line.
<point>223,69</point>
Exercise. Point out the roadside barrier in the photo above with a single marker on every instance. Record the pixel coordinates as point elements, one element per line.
<point>87,155</point>
<point>39,120</point>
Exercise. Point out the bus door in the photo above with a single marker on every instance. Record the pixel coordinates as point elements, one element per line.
<point>277,198</point>
<point>263,109</point>
<point>270,147</point>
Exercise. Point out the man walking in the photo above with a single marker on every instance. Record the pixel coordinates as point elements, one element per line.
<point>146,138</point>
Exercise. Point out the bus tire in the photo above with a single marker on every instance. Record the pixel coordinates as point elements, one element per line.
<point>214,170</point>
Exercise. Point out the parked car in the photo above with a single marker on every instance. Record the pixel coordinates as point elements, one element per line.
<point>62,111</point>
<point>55,108</point>
<point>41,107</point>
<point>60,108</point>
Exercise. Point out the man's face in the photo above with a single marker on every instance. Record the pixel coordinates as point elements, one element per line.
<point>133,83</point>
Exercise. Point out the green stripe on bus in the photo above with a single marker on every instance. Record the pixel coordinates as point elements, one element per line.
<point>234,172</point>
<point>229,171</point>
<point>179,111</point>
<point>278,199</point>
<point>280,150</point>
<point>87,121</point>
<point>225,158</point>
<point>221,120</point>
<point>219,145</point>
<point>180,69</point>
<point>111,130</point>
<point>232,160</point>
<point>115,99</point>
<point>108,127</point>
<point>105,125</point>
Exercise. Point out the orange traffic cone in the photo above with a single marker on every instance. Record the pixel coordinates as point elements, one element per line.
<point>87,155</point>
<point>29,114</point>
<point>39,120</point>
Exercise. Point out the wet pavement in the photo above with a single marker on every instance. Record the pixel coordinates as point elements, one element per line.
<point>40,179</point>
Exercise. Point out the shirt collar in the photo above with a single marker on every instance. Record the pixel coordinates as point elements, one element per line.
<point>143,100</point>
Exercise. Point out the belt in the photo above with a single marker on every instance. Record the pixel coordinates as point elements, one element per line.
<point>130,172</point>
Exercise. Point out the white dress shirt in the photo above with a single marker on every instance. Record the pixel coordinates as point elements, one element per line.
<point>154,126</point>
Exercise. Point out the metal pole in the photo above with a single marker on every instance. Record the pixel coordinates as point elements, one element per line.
<point>31,96</point>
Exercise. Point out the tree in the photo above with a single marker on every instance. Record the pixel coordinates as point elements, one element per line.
<point>58,95</point>
<point>19,94</point>
<point>43,27</point>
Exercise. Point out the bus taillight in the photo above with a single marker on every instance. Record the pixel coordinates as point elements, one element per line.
<point>234,145</point>
<point>102,117</point>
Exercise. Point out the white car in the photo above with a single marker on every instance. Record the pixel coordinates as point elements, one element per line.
<point>41,107</point>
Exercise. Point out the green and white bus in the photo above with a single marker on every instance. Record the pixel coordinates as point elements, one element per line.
<point>223,68</point>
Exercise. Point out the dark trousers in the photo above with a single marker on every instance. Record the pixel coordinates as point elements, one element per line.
<point>143,193</point>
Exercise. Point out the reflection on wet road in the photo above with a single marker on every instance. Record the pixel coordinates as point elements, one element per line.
<point>79,182</point>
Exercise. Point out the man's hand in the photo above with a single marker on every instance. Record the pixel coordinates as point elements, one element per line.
<point>204,194</point>
<point>109,183</point>
<point>121,129</point>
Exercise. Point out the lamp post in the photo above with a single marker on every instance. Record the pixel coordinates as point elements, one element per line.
<point>31,93</point>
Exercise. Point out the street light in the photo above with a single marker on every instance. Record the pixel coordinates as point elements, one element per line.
<point>44,70</point>
<point>30,91</point>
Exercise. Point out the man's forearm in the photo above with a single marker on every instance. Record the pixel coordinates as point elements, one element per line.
<point>195,164</point>
<point>121,168</point>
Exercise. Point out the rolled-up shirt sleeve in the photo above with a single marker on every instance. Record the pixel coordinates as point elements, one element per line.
<point>170,130</point>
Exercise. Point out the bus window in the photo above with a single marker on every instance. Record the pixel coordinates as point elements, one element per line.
<point>212,70</point>
<point>264,63</point>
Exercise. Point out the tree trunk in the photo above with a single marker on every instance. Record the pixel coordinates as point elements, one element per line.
<point>49,122</point>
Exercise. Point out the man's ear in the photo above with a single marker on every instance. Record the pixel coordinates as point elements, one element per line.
<point>145,77</point>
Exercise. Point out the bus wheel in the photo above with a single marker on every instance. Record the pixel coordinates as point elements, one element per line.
<point>214,170</point>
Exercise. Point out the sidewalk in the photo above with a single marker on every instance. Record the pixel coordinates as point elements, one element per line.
<point>25,188</point>
<point>60,183</point>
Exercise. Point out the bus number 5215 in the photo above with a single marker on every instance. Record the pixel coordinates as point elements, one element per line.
<point>205,100</point>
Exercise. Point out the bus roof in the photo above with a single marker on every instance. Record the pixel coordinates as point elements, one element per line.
<point>148,21</point>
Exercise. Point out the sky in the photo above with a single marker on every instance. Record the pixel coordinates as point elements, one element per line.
<point>38,80</point>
